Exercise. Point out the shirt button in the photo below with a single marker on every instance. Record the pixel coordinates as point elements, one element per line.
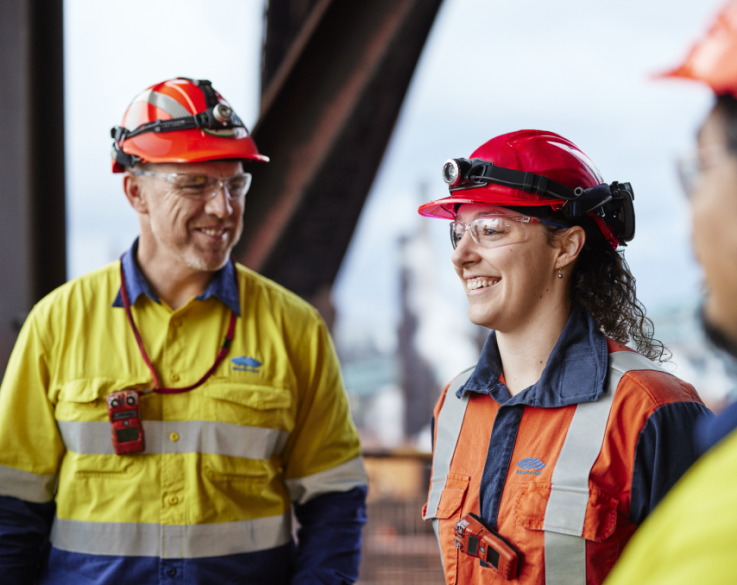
<point>175,377</point>
<point>174,437</point>
<point>177,322</point>
<point>171,571</point>
<point>173,500</point>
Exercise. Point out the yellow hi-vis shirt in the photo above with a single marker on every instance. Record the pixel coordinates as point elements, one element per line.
<point>222,462</point>
<point>691,537</point>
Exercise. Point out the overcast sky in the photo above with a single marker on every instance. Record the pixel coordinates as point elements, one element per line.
<point>576,67</point>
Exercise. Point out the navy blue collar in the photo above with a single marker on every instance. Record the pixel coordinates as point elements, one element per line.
<point>222,286</point>
<point>576,370</point>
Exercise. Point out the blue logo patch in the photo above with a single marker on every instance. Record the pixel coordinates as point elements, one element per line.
<point>530,466</point>
<point>245,364</point>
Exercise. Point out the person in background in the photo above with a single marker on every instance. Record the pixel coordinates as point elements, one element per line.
<point>161,416</point>
<point>560,441</point>
<point>692,536</point>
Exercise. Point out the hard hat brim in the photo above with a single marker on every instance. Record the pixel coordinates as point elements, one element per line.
<point>189,146</point>
<point>446,208</point>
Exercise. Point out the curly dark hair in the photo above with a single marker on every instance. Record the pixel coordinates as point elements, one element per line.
<point>603,284</point>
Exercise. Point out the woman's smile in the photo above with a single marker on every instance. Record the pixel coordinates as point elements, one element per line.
<point>479,284</point>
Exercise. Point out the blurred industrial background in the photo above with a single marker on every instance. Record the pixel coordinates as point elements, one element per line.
<point>357,104</point>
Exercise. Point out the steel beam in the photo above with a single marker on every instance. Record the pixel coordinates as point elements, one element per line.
<point>326,118</point>
<point>33,218</point>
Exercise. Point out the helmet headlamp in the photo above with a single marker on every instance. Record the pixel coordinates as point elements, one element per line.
<point>455,171</point>
<point>610,204</point>
<point>222,113</point>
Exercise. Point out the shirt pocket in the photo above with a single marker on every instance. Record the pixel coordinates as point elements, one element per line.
<point>250,405</point>
<point>600,519</point>
<point>264,416</point>
<point>84,398</point>
<point>243,476</point>
<point>452,497</point>
<point>445,518</point>
<point>82,420</point>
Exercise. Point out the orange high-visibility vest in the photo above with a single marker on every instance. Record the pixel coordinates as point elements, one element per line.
<point>568,518</point>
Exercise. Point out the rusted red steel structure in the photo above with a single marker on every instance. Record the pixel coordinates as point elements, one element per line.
<point>327,112</point>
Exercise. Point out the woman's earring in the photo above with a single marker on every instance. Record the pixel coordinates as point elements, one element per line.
<point>560,273</point>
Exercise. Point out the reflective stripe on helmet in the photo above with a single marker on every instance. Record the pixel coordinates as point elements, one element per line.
<point>163,102</point>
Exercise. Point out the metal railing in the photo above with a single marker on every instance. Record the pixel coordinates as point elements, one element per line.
<point>399,547</point>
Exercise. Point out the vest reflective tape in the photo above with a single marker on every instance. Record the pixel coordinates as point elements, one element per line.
<point>341,478</point>
<point>130,539</point>
<point>195,436</point>
<point>436,530</point>
<point>565,548</point>
<point>31,487</point>
<point>449,423</point>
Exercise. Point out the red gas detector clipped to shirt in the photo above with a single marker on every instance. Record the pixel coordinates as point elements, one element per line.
<point>474,538</point>
<point>124,410</point>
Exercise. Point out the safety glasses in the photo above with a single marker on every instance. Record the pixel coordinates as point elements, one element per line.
<point>201,186</point>
<point>492,231</point>
<point>691,166</point>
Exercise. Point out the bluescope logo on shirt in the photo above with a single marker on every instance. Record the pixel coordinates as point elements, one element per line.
<point>530,466</point>
<point>245,364</point>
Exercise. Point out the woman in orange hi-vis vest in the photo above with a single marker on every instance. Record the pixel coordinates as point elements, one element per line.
<point>557,444</point>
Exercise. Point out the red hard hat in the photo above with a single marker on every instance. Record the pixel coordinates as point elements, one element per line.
<point>531,151</point>
<point>180,120</point>
<point>713,60</point>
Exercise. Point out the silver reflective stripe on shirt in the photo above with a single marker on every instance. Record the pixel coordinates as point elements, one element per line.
<point>24,485</point>
<point>195,436</point>
<point>565,548</point>
<point>436,530</point>
<point>130,539</point>
<point>341,478</point>
<point>449,423</point>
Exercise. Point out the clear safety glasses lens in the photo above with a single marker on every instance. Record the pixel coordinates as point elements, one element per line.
<point>207,186</point>
<point>491,232</point>
<point>200,186</point>
<point>689,170</point>
<point>691,166</point>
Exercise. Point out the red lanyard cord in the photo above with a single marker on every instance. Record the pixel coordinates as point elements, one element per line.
<point>220,357</point>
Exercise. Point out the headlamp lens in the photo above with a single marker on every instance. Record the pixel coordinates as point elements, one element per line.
<point>451,172</point>
<point>222,113</point>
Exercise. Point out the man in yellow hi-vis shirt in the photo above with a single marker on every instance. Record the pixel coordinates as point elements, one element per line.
<point>160,416</point>
<point>691,538</point>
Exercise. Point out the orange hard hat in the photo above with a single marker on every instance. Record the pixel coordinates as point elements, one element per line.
<point>180,120</point>
<point>713,60</point>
